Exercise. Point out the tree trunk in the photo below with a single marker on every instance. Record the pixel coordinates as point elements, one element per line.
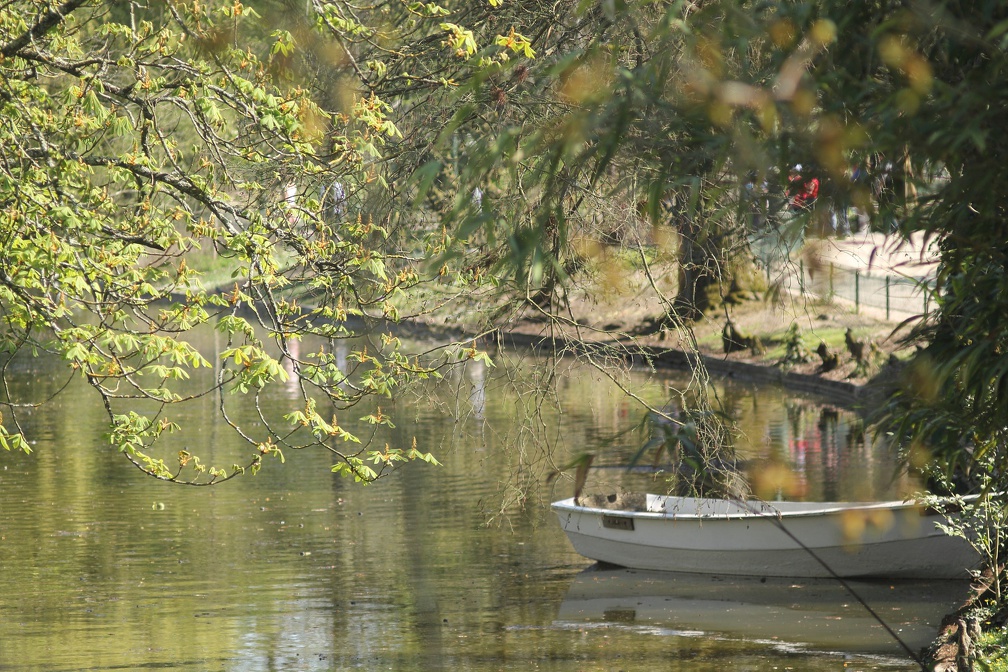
<point>698,265</point>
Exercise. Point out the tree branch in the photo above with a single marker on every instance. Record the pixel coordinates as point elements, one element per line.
<point>46,23</point>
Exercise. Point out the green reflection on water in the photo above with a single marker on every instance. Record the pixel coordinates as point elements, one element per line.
<point>103,568</point>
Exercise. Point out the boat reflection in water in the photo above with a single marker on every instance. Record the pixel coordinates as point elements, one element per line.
<point>803,614</point>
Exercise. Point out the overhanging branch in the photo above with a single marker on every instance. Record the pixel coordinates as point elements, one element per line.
<point>46,22</point>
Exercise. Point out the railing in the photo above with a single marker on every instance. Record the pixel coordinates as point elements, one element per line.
<point>874,289</point>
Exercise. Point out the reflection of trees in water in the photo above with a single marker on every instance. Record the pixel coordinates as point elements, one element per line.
<point>539,427</point>
<point>829,447</point>
<point>477,397</point>
<point>813,446</point>
<point>788,445</point>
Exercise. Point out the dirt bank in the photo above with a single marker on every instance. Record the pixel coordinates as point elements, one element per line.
<point>633,318</point>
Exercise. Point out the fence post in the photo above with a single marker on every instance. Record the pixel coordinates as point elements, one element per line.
<point>857,292</point>
<point>887,298</point>
<point>801,277</point>
<point>831,268</point>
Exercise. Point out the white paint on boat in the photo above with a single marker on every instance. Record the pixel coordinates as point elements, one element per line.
<point>787,539</point>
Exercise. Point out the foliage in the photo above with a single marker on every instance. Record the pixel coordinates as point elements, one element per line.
<point>141,139</point>
<point>693,444</point>
<point>980,520</point>
<point>919,80</point>
<point>914,87</point>
<point>144,141</point>
<point>888,104</point>
<point>795,351</point>
<point>993,651</point>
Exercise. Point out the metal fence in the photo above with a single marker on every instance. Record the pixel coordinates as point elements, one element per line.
<point>896,295</point>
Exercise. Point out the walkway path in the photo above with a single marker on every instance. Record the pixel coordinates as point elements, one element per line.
<point>878,274</point>
<point>881,254</point>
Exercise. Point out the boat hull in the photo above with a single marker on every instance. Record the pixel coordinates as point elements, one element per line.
<point>889,539</point>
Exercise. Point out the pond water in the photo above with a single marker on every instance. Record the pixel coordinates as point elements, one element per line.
<point>296,569</point>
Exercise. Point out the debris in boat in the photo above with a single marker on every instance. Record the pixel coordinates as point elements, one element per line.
<point>621,501</point>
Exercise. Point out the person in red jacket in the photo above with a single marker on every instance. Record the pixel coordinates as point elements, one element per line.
<point>803,192</point>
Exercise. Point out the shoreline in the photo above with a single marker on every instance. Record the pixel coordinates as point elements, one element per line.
<point>844,393</point>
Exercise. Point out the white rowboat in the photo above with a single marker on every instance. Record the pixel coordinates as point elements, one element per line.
<point>783,539</point>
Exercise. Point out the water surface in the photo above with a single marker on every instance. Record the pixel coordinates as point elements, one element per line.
<point>295,569</point>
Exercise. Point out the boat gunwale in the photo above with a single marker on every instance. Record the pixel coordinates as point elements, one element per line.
<point>821,509</point>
